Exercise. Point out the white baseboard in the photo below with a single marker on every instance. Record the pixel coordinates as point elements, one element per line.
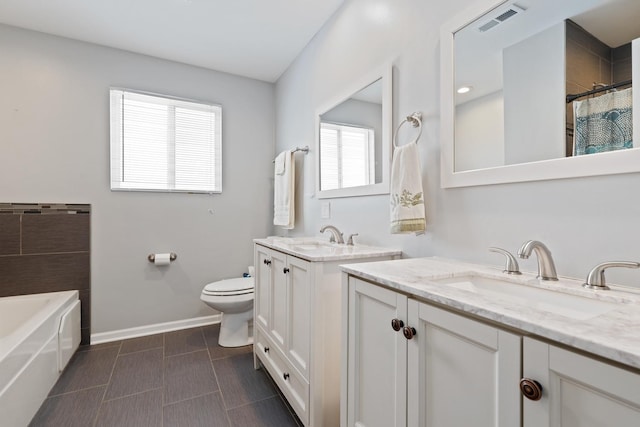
<point>141,331</point>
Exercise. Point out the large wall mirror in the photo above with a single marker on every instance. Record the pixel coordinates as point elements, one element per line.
<point>540,89</point>
<point>353,140</point>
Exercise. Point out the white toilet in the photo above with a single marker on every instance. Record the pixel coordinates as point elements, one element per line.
<point>234,299</point>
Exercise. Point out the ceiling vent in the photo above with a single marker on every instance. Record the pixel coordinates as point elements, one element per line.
<point>500,15</point>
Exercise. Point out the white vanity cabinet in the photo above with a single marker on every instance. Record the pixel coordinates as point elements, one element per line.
<point>437,369</point>
<point>282,296</point>
<point>445,369</point>
<point>297,328</point>
<point>282,323</point>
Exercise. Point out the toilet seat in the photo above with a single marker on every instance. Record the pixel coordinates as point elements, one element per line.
<point>233,298</point>
<point>230,287</point>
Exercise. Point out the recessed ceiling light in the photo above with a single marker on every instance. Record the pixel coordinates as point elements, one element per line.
<point>464,89</point>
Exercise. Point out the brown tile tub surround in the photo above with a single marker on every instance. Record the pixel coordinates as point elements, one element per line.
<point>44,247</point>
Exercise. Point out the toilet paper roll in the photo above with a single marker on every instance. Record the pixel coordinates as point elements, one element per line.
<point>162,259</point>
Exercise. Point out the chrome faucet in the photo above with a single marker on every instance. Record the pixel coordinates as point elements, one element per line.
<point>546,267</point>
<point>511,263</point>
<point>596,280</point>
<point>336,235</point>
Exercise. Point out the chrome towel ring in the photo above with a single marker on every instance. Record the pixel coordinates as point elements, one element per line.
<point>416,121</point>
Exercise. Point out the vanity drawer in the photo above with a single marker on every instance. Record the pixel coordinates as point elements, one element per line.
<point>294,387</point>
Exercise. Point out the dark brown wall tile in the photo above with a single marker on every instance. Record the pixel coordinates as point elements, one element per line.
<point>9,234</point>
<point>85,300</point>
<point>583,66</point>
<point>85,310</point>
<point>32,252</point>
<point>622,70</point>
<point>55,233</point>
<point>621,52</point>
<point>30,274</point>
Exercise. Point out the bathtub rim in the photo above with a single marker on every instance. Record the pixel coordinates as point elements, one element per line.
<point>14,339</point>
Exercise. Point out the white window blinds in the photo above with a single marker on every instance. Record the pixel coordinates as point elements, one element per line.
<point>164,144</point>
<point>347,156</point>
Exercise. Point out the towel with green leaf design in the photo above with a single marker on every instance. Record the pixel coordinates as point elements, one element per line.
<point>407,197</point>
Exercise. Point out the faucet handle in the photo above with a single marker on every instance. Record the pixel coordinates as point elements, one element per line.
<point>511,265</point>
<point>596,280</point>
<point>350,239</point>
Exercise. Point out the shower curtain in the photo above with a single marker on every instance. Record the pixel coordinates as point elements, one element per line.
<point>604,123</point>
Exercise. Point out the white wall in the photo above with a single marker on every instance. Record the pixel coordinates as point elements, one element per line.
<point>583,221</point>
<point>479,133</point>
<point>534,81</point>
<point>54,136</point>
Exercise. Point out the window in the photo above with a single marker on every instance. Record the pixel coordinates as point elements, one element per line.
<point>347,156</point>
<point>164,144</point>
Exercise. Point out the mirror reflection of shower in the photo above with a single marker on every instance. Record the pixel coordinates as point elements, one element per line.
<point>603,124</point>
<point>522,59</point>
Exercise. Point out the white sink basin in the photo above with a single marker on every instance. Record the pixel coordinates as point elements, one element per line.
<point>573,306</point>
<point>312,246</point>
<point>324,249</point>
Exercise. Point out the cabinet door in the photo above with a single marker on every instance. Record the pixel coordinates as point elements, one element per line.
<point>279,303</point>
<point>299,313</point>
<point>461,372</point>
<point>376,360</point>
<point>578,391</point>
<point>262,293</point>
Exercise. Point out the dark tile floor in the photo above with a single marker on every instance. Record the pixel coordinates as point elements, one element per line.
<point>181,378</point>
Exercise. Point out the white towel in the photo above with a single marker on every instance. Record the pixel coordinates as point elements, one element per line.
<point>407,200</point>
<point>279,163</point>
<point>284,191</point>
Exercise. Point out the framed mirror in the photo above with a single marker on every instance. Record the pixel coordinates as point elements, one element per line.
<point>539,89</point>
<point>353,139</point>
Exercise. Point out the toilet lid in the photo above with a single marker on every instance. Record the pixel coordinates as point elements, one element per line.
<point>228,287</point>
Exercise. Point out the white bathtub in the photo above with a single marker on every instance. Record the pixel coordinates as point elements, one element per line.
<point>38,335</point>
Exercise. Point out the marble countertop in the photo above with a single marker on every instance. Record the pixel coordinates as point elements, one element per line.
<point>614,334</point>
<point>316,249</point>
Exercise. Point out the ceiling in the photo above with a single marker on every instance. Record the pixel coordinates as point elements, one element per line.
<point>252,38</point>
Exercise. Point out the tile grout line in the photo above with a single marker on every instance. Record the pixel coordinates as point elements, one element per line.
<point>115,362</point>
<point>215,375</point>
<point>132,394</point>
<point>49,396</point>
<point>191,398</point>
<point>144,349</point>
<point>253,402</point>
<point>189,352</point>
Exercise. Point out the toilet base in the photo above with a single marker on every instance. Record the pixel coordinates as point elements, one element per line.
<point>235,330</point>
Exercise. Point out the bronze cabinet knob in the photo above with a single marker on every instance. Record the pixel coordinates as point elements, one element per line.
<point>531,389</point>
<point>409,332</point>
<point>285,270</point>
<point>266,262</point>
<point>285,376</point>
<point>397,324</point>
<point>266,349</point>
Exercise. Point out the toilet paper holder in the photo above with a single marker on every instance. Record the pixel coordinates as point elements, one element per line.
<point>152,257</point>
